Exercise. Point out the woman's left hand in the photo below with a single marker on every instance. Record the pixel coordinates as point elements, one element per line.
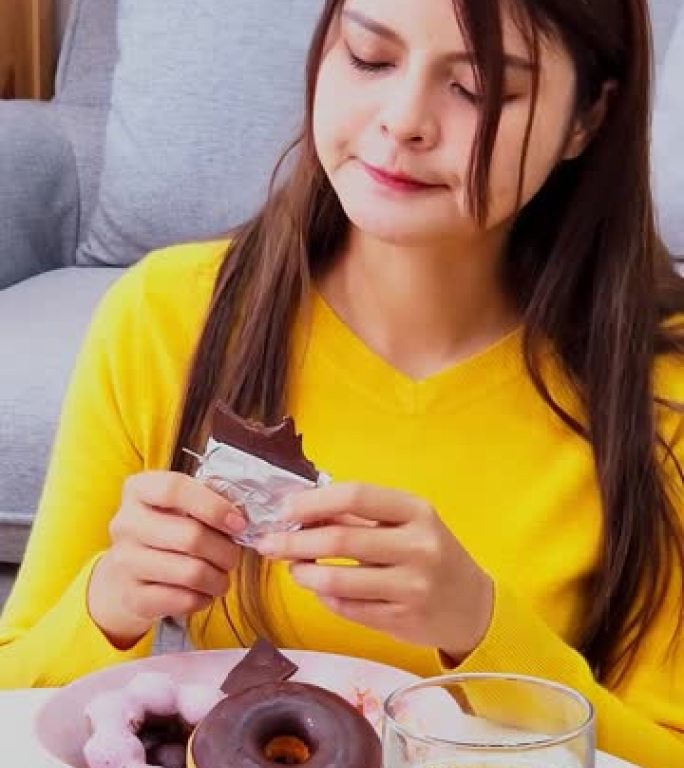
<point>414,580</point>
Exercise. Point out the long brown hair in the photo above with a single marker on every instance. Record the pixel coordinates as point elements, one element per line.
<point>584,265</point>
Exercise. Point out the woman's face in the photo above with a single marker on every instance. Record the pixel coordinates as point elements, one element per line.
<point>396,114</point>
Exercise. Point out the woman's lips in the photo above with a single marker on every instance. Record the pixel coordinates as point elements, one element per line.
<point>396,182</point>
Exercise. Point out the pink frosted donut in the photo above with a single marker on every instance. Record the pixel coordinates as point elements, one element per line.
<point>115,711</point>
<point>125,724</point>
<point>106,749</point>
<point>195,702</point>
<point>155,691</point>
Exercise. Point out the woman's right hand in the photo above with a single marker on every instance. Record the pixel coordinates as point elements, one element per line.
<point>171,555</point>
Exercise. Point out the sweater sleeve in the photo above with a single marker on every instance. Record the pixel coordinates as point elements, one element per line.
<point>642,722</point>
<point>46,635</point>
<point>642,719</point>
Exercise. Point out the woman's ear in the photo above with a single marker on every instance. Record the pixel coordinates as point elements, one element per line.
<point>588,124</point>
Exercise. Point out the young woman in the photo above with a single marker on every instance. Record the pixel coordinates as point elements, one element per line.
<point>460,297</point>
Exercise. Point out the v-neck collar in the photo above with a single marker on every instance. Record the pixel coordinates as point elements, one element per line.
<point>393,389</point>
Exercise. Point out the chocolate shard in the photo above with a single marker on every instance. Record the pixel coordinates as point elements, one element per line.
<point>263,664</point>
<point>279,445</point>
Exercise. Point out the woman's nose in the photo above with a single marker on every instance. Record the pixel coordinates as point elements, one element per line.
<point>408,117</point>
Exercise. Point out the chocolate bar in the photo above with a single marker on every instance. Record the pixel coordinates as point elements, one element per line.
<point>257,467</point>
<point>279,445</point>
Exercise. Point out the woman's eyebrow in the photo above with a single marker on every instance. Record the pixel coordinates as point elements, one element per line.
<point>511,60</point>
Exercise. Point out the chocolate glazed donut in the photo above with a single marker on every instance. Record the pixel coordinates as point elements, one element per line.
<point>285,724</point>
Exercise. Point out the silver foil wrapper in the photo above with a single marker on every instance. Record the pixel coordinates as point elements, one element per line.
<point>255,486</point>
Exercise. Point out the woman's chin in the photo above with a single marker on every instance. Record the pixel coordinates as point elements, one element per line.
<point>394,232</point>
<point>399,223</point>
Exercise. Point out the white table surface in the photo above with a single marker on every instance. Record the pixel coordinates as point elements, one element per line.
<point>17,709</point>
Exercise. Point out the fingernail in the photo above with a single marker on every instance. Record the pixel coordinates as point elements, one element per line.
<point>235,523</point>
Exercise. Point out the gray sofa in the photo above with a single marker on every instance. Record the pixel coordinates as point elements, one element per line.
<point>51,167</point>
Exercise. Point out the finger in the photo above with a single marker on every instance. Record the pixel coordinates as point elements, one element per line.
<point>381,505</point>
<point>374,615</point>
<point>152,566</point>
<point>350,520</point>
<point>171,532</point>
<point>349,581</point>
<point>182,493</point>
<point>154,601</point>
<point>378,546</point>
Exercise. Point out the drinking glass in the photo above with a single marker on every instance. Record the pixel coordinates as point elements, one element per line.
<point>488,721</point>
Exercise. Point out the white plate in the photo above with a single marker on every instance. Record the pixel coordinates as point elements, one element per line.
<point>61,729</point>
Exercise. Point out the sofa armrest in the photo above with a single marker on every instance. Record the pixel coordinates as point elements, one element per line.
<point>39,197</point>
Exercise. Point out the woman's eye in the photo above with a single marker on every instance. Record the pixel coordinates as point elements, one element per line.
<point>477,99</point>
<point>367,66</point>
<point>469,96</point>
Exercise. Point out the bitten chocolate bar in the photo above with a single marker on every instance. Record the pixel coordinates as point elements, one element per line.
<point>257,467</point>
<point>279,445</point>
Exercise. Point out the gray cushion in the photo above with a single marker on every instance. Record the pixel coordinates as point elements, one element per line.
<point>87,59</point>
<point>88,53</point>
<point>664,15</point>
<point>85,127</point>
<point>39,195</point>
<point>201,108</point>
<point>668,143</point>
<point>44,320</point>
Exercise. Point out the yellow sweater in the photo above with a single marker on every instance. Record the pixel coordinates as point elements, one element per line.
<point>516,487</point>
